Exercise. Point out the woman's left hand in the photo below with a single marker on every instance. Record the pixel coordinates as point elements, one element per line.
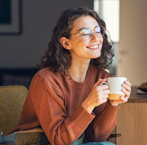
<point>126,90</point>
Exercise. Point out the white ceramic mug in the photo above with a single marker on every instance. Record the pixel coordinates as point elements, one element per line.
<point>115,87</point>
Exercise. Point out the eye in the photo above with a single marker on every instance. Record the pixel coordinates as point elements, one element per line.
<point>85,32</point>
<point>98,29</point>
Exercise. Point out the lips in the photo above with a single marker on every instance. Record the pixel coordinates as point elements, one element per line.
<point>93,47</point>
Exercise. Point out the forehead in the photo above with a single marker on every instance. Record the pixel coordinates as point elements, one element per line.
<point>84,21</point>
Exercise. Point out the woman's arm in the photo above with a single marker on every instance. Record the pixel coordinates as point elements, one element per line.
<point>106,114</point>
<point>103,124</point>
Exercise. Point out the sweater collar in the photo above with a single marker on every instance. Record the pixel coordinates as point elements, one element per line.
<point>86,82</point>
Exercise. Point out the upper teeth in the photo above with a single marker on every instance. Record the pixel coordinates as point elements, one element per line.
<point>94,46</point>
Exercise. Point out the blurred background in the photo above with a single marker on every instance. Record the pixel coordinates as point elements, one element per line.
<point>22,45</point>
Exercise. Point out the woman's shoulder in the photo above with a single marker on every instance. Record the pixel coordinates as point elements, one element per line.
<point>44,72</point>
<point>47,74</point>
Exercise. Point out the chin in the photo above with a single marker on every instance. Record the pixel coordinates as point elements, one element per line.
<point>96,56</point>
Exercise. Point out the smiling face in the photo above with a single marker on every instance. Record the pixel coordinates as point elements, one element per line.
<point>84,48</point>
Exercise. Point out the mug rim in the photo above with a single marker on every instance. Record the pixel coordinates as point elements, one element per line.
<point>116,78</point>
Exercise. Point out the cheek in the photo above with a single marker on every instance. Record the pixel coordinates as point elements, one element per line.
<point>77,42</point>
<point>101,40</point>
<point>81,43</point>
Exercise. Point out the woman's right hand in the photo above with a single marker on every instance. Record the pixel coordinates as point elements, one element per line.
<point>97,96</point>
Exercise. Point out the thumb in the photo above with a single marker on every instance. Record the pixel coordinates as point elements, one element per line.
<point>99,81</point>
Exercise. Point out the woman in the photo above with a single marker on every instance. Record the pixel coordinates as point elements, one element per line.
<point>65,97</point>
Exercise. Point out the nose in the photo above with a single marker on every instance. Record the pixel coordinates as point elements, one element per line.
<point>94,37</point>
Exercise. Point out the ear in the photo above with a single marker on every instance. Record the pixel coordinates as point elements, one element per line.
<point>65,43</point>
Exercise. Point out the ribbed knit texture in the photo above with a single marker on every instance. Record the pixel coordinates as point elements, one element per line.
<point>54,103</point>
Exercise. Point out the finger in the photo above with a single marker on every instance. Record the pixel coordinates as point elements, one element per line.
<point>104,87</point>
<point>103,92</point>
<point>124,99</point>
<point>99,81</point>
<point>104,96</point>
<point>127,83</point>
<point>127,87</point>
<point>103,100</point>
<point>107,91</point>
<point>127,93</point>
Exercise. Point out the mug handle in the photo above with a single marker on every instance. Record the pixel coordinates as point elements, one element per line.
<point>103,83</point>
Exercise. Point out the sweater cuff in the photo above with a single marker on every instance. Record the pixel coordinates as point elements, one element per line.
<point>110,112</point>
<point>82,117</point>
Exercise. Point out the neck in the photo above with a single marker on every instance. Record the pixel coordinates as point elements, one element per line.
<point>78,71</point>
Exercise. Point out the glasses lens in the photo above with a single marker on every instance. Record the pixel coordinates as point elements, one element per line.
<point>86,33</point>
<point>99,31</point>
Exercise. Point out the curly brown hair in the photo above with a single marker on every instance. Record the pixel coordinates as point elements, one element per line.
<point>57,57</point>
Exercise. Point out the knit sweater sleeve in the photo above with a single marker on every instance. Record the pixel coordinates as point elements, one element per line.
<point>49,103</point>
<point>103,124</point>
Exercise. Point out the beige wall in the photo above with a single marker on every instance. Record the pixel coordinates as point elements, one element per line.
<point>132,53</point>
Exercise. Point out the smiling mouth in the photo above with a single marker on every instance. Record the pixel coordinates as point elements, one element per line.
<point>93,47</point>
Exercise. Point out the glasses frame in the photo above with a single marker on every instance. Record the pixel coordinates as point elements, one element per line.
<point>101,28</point>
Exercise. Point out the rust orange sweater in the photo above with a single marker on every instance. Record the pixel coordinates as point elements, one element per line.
<point>54,103</point>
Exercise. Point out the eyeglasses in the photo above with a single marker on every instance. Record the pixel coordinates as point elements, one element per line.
<point>86,32</point>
